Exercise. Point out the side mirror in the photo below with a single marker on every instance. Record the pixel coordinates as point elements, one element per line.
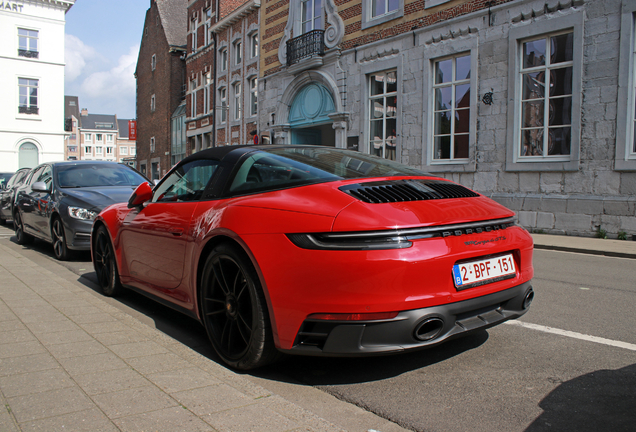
<point>40,187</point>
<point>142,194</point>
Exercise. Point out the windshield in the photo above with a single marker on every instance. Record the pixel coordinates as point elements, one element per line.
<point>287,167</point>
<point>88,175</point>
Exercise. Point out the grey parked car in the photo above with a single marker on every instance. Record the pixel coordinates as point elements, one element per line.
<point>59,201</point>
<point>7,193</point>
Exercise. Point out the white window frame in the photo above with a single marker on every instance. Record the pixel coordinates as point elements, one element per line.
<point>153,62</point>
<point>254,45</point>
<point>253,96</point>
<point>382,97</point>
<point>109,151</point>
<point>109,138</point>
<point>453,84</point>
<point>99,137</point>
<point>88,137</point>
<point>152,145</point>
<point>88,150</point>
<point>223,104</point>
<point>516,37</point>
<point>236,96</point>
<point>99,150</point>
<point>625,158</point>
<point>28,39</point>
<point>152,103</point>
<point>207,82</point>
<point>208,26</point>
<point>370,21</point>
<point>193,98</point>
<point>237,46</point>
<point>133,151</point>
<point>123,151</point>
<point>194,24</point>
<point>31,83</point>
<point>317,22</point>
<point>223,59</point>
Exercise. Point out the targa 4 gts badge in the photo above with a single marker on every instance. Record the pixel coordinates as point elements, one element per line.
<point>477,243</point>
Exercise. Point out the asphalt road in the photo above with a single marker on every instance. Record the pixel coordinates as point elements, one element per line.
<point>570,373</point>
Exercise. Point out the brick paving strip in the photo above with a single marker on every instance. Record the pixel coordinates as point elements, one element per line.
<point>70,361</point>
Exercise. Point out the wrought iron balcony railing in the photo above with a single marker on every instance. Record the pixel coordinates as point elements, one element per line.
<point>305,45</point>
<point>27,53</point>
<point>28,110</point>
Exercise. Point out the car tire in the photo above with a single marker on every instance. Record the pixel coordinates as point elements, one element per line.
<point>105,264</point>
<point>60,249</point>
<point>22,238</point>
<point>234,311</point>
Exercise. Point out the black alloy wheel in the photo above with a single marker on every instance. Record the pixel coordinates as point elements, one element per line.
<point>234,311</point>
<point>60,249</point>
<point>22,238</point>
<point>105,264</point>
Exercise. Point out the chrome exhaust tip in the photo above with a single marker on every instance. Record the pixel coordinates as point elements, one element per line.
<point>527,300</point>
<point>429,329</point>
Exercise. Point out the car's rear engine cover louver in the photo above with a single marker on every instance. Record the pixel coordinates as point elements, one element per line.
<point>406,190</point>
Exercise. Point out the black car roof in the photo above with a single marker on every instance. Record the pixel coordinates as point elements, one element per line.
<point>218,153</point>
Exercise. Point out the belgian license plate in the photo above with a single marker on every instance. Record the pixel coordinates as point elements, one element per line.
<point>483,271</point>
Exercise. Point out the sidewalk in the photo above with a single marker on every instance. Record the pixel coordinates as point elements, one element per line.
<point>71,361</point>
<point>594,246</point>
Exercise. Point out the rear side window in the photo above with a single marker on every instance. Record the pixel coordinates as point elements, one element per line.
<point>186,183</point>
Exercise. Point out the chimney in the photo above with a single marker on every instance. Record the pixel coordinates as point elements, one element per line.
<point>84,112</point>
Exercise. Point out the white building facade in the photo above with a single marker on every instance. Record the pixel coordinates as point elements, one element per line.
<point>32,82</point>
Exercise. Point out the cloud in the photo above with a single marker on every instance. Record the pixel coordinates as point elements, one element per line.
<point>115,83</point>
<point>76,55</point>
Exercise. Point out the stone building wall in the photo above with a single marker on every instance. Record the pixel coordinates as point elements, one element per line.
<point>591,188</point>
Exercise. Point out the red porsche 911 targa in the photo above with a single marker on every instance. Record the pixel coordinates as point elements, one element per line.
<point>316,251</point>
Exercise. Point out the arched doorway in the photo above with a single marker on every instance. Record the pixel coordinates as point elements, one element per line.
<point>309,116</point>
<point>28,155</point>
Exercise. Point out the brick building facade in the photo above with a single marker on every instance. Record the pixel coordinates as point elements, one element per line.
<point>222,72</point>
<point>528,101</point>
<point>160,78</point>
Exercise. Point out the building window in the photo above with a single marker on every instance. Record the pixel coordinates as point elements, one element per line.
<point>88,137</point>
<point>626,120</point>
<point>545,82</point>
<point>207,81</point>
<point>224,108</point>
<point>88,150</point>
<point>28,43</point>
<point>109,138</point>
<point>311,15</point>
<point>109,151</point>
<point>546,97</point>
<point>193,98</point>
<point>133,151</point>
<point>253,96</point>
<point>254,45</point>
<point>154,170</point>
<point>237,101</point>
<point>451,112</point>
<point>152,144</point>
<point>28,91</point>
<point>208,26</point>
<point>238,55</point>
<point>153,62</point>
<point>223,59</point>
<point>72,149</point>
<point>123,151</point>
<point>376,12</point>
<point>98,150</point>
<point>381,7</point>
<point>152,103</point>
<point>383,114</point>
<point>194,34</point>
<point>98,137</point>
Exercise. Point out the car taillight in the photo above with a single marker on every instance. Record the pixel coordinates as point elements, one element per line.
<point>352,241</point>
<point>353,316</point>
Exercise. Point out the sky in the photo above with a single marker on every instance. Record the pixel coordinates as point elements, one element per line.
<point>101,48</point>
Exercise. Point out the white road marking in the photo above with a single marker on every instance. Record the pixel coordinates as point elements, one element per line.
<point>595,339</point>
